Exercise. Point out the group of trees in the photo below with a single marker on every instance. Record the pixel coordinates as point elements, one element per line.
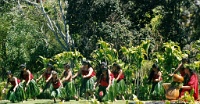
<point>29,29</point>
<point>134,33</point>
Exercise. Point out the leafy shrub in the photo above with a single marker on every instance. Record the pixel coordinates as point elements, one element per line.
<point>2,85</point>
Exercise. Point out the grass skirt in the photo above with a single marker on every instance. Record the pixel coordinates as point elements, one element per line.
<point>58,93</point>
<point>32,90</point>
<point>116,89</point>
<point>121,87</point>
<point>105,96</point>
<point>70,89</point>
<point>46,91</point>
<point>87,85</point>
<point>16,96</point>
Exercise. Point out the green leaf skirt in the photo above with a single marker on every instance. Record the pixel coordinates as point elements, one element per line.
<point>16,96</point>
<point>87,85</point>
<point>58,93</point>
<point>46,93</point>
<point>70,90</point>
<point>106,94</point>
<point>32,90</point>
<point>121,87</point>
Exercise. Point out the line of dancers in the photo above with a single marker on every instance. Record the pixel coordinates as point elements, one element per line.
<point>103,83</point>
<point>100,83</point>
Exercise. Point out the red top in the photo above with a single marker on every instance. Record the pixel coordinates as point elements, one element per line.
<point>56,84</point>
<point>156,76</point>
<point>193,82</point>
<point>47,75</point>
<point>112,76</point>
<point>13,82</point>
<point>26,77</point>
<point>116,75</point>
<point>104,82</point>
<point>86,72</point>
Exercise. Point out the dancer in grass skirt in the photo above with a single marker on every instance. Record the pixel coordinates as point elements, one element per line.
<point>104,82</point>
<point>57,90</point>
<point>30,86</point>
<point>47,76</point>
<point>16,92</point>
<point>155,78</point>
<point>99,70</point>
<point>68,83</point>
<point>119,76</point>
<point>87,82</point>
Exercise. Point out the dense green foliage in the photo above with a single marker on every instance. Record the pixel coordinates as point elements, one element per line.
<point>134,33</point>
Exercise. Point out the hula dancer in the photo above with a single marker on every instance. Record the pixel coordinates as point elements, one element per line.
<point>66,79</point>
<point>57,91</point>
<point>99,70</point>
<point>87,83</point>
<point>119,76</point>
<point>104,83</point>
<point>16,92</point>
<point>31,89</point>
<point>190,82</point>
<point>155,77</point>
<point>47,76</point>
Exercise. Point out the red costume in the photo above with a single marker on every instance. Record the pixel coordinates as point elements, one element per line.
<point>193,82</point>
<point>115,74</point>
<point>47,75</point>
<point>112,76</point>
<point>56,84</point>
<point>26,77</point>
<point>86,72</point>
<point>13,82</point>
<point>156,76</point>
<point>103,81</point>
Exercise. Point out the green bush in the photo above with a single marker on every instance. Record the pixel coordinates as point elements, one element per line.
<point>2,95</point>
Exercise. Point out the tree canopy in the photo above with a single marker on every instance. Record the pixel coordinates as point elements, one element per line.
<point>30,29</point>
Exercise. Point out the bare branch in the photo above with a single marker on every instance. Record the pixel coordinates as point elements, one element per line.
<point>47,16</point>
<point>50,27</point>
<point>58,29</point>
<point>63,15</point>
<point>33,3</point>
<point>57,37</point>
<point>54,24</point>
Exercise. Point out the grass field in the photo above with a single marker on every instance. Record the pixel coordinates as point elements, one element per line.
<point>47,101</point>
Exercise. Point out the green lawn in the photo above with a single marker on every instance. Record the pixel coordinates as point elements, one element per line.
<point>47,101</point>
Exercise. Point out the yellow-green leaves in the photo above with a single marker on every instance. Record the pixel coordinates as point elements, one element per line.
<point>104,52</point>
